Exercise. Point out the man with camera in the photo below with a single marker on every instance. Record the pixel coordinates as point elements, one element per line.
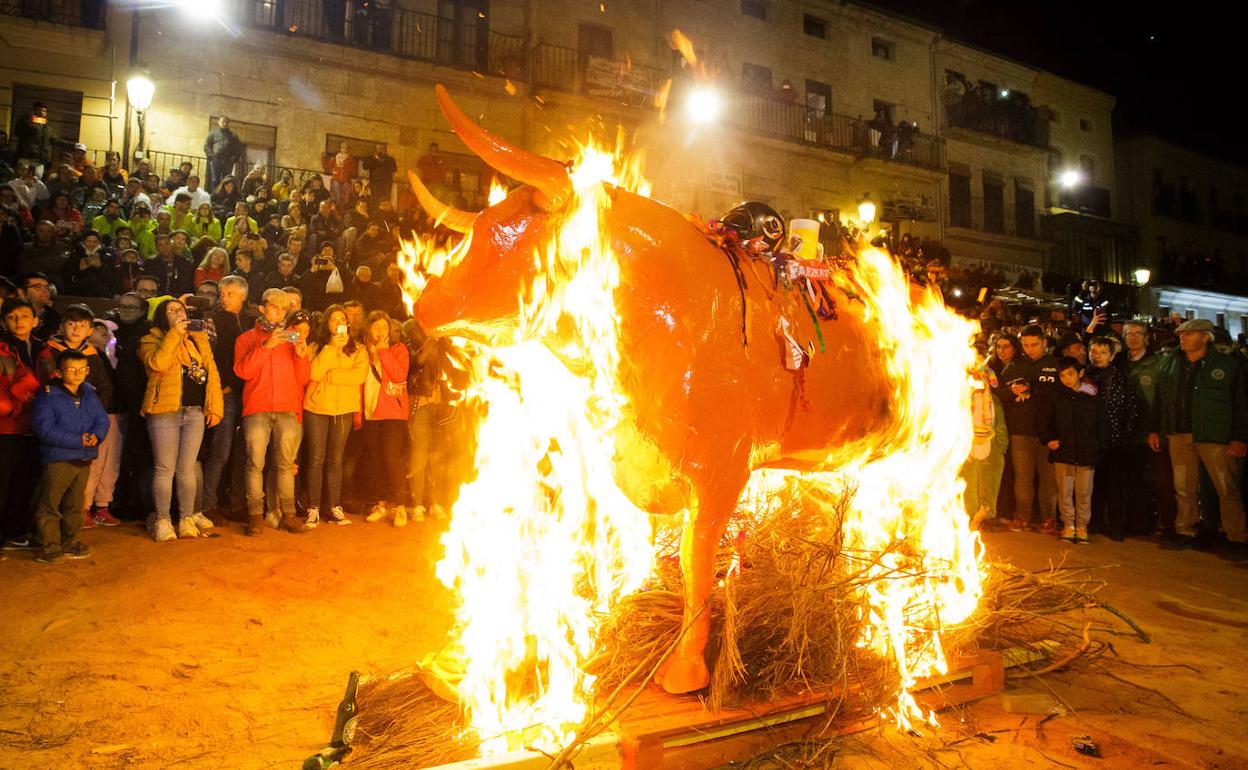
<point>275,365</point>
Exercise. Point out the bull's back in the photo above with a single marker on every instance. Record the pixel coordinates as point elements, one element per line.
<point>705,379</point>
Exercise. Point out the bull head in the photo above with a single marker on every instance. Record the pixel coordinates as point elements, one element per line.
<point>478,296</point>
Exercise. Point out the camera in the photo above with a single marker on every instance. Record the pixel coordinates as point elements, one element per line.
<point>195,325</point>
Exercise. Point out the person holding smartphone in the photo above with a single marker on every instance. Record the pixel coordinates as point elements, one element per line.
<point>182,399</point>
<point>333,398</point>
<point>385,411</point>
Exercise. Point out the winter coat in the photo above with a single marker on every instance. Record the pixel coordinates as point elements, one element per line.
<point>108,228</point>
<point>1027,415</point>
<point>60,419</point>
<point>129,376</point>
<point>197,228</point>
<point>163,355</point>
<point>1219,405</point>
<point>1143,375</point>
<point>18,386</point>
<point>1074,420</point>
<point>392,371</point>
<point>99,377</point>
<point>92,281</point>
<point>175,277</point>
<point>33,140</point>
<point>1121,407</point>
<point>337,382</point>
<point>274,378</point>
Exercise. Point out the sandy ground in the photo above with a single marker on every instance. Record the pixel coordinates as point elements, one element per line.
<point>232,653</point>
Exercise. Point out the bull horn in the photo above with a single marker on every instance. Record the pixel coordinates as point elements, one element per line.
<point>457,220</point>
<point>550,177</point>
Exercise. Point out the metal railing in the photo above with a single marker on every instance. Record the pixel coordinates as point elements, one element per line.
<point>75,13</point>
<point>795,122</point>
<point>1003,118</point>
<point>162,163</point>
<point>1000,219</point>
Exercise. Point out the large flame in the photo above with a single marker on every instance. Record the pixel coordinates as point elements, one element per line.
<point>542,541</point>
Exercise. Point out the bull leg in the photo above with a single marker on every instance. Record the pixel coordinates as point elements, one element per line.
<point>686,671</point>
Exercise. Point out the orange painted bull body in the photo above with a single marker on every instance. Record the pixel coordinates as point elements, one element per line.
<point>704,407</point>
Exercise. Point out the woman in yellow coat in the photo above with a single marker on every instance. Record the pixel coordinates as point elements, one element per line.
<point>183,398</point>
<point>333,397</point>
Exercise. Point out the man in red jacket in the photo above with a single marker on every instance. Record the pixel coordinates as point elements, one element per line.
<point>275,366</point>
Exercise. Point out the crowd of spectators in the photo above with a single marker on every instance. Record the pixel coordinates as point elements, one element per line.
<point>173,353</point>
<point>1086,425</point>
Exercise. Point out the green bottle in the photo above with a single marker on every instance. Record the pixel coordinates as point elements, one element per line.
<point>348,714</point>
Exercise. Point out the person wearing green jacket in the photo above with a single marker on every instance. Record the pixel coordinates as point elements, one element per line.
<point>204,224</point>
<point>109,222</point>
<point>1201,408</point>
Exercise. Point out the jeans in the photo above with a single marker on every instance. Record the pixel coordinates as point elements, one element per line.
<point>58,502</point>
<point>102,479</point>
<point>426,468</point>
<point>1186,457</point>
<point>1074,493</point>
<point>176,437</point>
<point>220,442</point>
<point>384,447</point>
<point>327,441</point>
<point>1030,459</point>
<point>286,431</point>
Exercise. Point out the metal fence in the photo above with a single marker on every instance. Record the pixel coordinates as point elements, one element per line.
<point>162,163</point>
<point>75,13</point>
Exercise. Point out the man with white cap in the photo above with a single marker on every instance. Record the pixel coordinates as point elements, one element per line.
<point>1202,409</point>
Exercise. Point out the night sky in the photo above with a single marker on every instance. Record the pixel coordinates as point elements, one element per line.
<point>1177,70</point>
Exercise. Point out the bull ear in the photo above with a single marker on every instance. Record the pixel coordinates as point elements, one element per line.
<point>457,220</point>
<point>549,176</point>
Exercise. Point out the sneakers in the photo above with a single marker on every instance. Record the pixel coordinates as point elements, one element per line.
<point>187,528</point>
<point>202,522</point>
<point>53,555</point>
<point>1068,534</point>
<point>162,530</point>
<point>337,515</point>
<point>87,521</point>
<point>1081,536</point>
<point>437,512</point>
<point>17,543</point>
<point>255,525</point>
<point>400,516</point>
<point>1017,524</point>
<point>418,513</point>
<point>77,550</point>
<point>273,519</point>
<point>101,516</point>
<point>314,517</point>
<point>1049,527</point>
<point>376,514</point>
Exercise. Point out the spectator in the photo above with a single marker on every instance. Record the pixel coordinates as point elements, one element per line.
<point>275,370</point>
<point>244,269</point>
<point>183,397</point>
<point>1073,435</point>
<point>34,138</point>
<point>228,320</point>
<point>326,228</point>
<point>213,267</point>
<point>66,218</point>
<point>284,275</point>
<point>18,386</point>
<point>19,327</point>
<point>1119,411</point>
<point>151,186</point>
<point>70,423</point>
<point>381,169</point>
<point>199,196</point>
<point>113,175</point>
<point>284,185</point>
<point>273,233</point>
<point>209,290</point>
<point>144,230</point>
<point>1030,381</point>
<point>333,398</point>
<point>181,217</point>
<point>49,252</point>
<point>294,223</point>
<point>341,168</point>
<point>313,193</point>
<point>75,332</point>
<point>30,189</point>
<point>89,272</point>
<point>986,463</point>
<point>174,275</point>
<point>358,216</point>
<point>107,223</point>
<point>239,225</point>
<point>1202,410</point>
<point>294,247</point>
<point>225,196</point>
<point>126,271</point>
<point>385,412</point>
<point>363,289</point>
<point>1142,364</point>
<point>323,283</point>
<point>295,298</point>
<point>146,286</point>
<point>1006,349</point>
<point>133,196</point>
<point>35,288</point>
<point>223,149</point>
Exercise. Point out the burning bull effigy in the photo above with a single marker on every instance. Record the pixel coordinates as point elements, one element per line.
<point>633,363</point>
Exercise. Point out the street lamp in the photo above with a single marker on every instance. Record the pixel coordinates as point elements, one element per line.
<point>704,105</point>
<point>1142,276</point>
<point>139,92</point>
<point>866,210</point>
<point>1070,178</point>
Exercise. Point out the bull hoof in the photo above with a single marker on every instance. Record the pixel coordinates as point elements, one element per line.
<point>680,676</point>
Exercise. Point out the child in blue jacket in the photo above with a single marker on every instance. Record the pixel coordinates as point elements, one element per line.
<point>70,422</point>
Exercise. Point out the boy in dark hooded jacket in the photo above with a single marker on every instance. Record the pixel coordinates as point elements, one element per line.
<point>1074,437</point>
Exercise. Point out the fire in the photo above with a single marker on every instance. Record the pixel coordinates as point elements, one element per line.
<point>542,542</point>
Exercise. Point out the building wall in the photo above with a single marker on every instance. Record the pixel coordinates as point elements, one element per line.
<point>1069,103</point>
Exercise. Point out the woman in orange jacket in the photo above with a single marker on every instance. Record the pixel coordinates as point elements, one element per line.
<point>384,411</point>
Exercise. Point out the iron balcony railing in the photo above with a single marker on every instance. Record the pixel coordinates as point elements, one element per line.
<point>999,218</point>
<point>162,163</point>
<point>1000,117</point>
<point>75,13</point>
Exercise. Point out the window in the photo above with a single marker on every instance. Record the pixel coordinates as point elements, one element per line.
<point>595,40</point>
<point>953,77</point>
<point>959,199</point>
<point>818,98</point>
<point>755,8</point>
<point>994,205</point>
<point>814,26</point>
<point>1243,325</point>
<point>359,148</point>
<point>1024,210</point>
<point>1088,165</point>
<point>1220,321</point>
<point>755,77</point>
<point>259,142</point>
<point>1085,124</point>
<point>882,49</point>
<point>1190,314</point>
<point>64,108</point>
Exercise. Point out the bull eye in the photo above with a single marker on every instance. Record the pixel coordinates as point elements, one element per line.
<point>772,227</point>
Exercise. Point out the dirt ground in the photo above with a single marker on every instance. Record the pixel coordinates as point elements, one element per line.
<point>232,653</point>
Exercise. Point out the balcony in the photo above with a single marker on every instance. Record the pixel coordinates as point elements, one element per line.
<point>396,31</point>
<point>1005,118</point>
<point>1086,200</point>
<point>797,123</point>
<point>997,218</point>
<point>88,14</point>
<point>559,68</point>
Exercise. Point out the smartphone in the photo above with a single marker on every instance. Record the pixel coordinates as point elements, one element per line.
<point>292,337</point>
<point>342,329</point>
<point>198,303</point>
<point>320,261</point>
<point>195,325</point>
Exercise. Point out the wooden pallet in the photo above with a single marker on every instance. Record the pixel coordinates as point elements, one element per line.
<point>662,732</point>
